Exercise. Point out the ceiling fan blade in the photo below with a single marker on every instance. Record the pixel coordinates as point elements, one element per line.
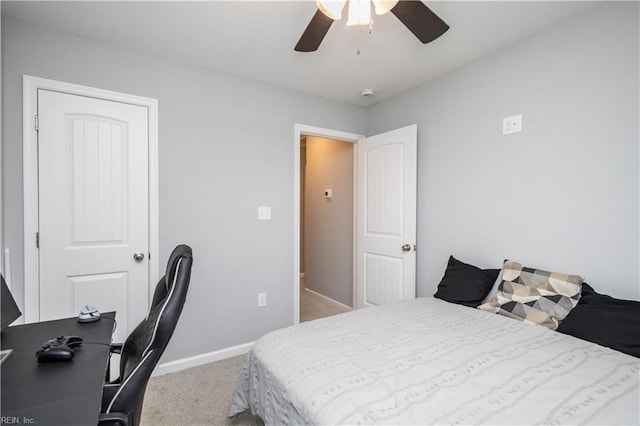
<point>420,20</point>
<point>314,33</point>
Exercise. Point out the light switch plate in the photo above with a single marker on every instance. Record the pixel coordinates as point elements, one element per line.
<point>512,124</point>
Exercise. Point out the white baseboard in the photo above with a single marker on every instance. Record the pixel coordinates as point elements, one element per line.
<point>195,361</point>
<point>330,300</point>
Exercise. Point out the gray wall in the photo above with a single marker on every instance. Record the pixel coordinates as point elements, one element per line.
<point>226,146</point>
<point>328,230</point>
<point>563,194</point>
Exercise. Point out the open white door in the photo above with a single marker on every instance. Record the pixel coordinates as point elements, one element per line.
<point>386,191</point>
<point>93,207</point>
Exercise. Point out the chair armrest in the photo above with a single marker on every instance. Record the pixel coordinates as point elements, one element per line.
<point>112,419</point>
<point>116,348</point>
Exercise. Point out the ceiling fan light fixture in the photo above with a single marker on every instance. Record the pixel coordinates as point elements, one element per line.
<point>384,6</point>
<point>359,12</point>
<point>331,8</point>
<point>415,15</point>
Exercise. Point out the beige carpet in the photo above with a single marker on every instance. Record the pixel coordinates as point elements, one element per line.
<point>202,395</point>
<point>313,306</point>
<point>196,396</point>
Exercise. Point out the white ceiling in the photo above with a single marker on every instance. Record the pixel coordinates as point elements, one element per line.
<point>255,39</point>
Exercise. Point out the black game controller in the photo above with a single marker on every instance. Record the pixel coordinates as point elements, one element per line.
<point>58,349</point>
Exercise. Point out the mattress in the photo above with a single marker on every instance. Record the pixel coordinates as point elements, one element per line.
<point>426,361</point>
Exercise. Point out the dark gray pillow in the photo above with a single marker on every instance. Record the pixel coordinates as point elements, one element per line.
<point>465,284</point>
<point>602,319</point>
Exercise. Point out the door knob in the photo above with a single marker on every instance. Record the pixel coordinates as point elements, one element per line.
<point>138,256</point>
<point>406,247</point>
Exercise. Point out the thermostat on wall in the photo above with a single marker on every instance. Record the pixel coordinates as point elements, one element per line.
<point>328,193</point>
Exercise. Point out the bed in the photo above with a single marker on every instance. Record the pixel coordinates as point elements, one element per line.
<point>428,361</point>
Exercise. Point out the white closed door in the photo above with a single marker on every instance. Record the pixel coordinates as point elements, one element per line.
<point>93,208</point>
<point>386,188</point>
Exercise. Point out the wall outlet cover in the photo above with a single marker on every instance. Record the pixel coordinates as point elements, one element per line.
<point>264,213</point>
<point>262,300</point>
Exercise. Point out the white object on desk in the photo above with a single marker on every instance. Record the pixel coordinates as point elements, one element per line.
<point>88,314</point>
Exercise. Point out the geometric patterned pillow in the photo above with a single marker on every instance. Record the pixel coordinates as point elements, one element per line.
<point>535,296</point>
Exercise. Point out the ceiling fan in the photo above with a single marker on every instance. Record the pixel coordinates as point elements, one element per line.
<point>415,15</point>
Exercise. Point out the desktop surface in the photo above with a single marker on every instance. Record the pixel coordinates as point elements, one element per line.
<point>68,392</point>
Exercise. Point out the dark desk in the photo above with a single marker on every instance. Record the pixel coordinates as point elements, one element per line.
<point>61,393</point>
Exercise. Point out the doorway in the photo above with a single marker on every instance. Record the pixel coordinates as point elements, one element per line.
<point>326,226</point>
<point>301,130</point>
<point>384,231</point>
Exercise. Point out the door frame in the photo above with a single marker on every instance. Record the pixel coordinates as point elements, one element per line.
<point>30,86</point>
<point>299,130</point>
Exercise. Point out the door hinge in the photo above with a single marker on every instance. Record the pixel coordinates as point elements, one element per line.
<point>37,240</point>
<point>37,122</point>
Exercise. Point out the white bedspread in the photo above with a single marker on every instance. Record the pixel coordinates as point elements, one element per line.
<point>426,361</point>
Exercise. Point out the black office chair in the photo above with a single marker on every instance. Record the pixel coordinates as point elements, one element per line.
<point>122,398</point>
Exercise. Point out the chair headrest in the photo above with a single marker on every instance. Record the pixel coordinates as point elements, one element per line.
<point>182,250</point>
